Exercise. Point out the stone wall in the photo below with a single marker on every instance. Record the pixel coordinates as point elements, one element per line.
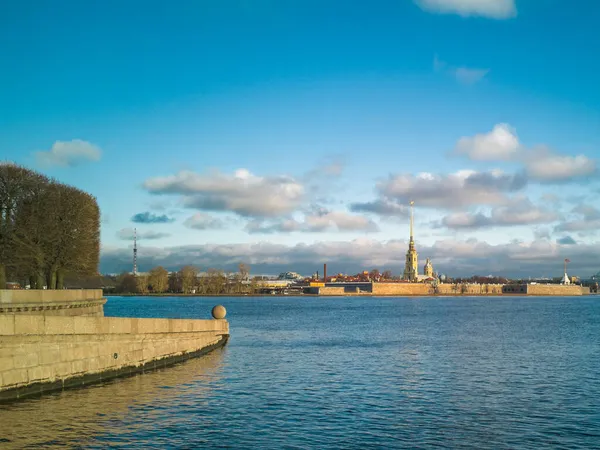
<point>331,290</point>
<point>546,289</point>
<point>40,353</point>
<point>402,289</point>
<point>553,289</point>
<point>76,302</point>
<point>469,289</point>
<point>407,289</point>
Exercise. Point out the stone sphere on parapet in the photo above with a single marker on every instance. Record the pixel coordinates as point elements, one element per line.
<point>219,312</point>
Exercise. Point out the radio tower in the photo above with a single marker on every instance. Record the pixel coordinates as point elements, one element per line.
<point>135,252</point>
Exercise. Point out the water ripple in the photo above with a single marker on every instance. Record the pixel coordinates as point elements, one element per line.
<point>350,373</point>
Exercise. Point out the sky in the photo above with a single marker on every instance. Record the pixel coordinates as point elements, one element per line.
<point>288,134</point>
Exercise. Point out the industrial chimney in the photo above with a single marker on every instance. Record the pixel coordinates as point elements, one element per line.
<point>324,273</point>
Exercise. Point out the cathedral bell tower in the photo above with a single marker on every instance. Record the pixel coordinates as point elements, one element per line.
<point>411,266</point>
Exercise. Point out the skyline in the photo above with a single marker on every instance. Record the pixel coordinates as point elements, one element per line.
<point>288,136</point>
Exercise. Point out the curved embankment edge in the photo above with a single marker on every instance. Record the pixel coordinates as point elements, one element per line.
<point>42,353</point>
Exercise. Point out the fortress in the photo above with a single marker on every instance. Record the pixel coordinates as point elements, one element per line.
<point>414,284</point>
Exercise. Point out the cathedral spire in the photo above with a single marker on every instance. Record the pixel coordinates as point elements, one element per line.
<point>411,219</point>
<point>411,269</point>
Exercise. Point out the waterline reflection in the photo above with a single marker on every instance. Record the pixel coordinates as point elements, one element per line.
<point>83,417</point>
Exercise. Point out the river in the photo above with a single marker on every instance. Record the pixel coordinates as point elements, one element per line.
<point>350,373</point>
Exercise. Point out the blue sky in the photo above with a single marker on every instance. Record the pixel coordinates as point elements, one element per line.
<point>288,134</point>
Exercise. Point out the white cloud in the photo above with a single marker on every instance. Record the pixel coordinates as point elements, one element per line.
<point>551,198</point>
<point>499,144</point>
<point>517,212</point>
<point>492,9</point>
<point>545,166</point>
<point>587,221</point>
<point>382,207</point>
<point>316,222</point>
<point>457,190</point>
<point>540,164</point>
<point>242,193</point>
<point>201,221</point>
<point>126,234</point>
<point>464,75</point>
<point>69,154</point>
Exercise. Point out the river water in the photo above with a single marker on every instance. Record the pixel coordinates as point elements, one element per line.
<point>350,373</point>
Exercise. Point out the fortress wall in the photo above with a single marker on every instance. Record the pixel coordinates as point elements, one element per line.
<point>405,289</point>
<point>332,290</point>
<point>65,302</point>
<point>43,353</point>
<point>554,289</point>
<point>402,289</point>
<point>469,289</point>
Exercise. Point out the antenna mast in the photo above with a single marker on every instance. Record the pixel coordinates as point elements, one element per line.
<point>135,252</point>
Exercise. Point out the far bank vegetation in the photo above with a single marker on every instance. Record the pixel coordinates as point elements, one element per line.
<point>187,280</point>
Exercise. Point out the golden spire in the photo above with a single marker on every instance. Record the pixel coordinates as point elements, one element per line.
<point>411,219</point>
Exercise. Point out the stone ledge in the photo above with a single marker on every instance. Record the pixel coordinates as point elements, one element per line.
<point>12,308</point>
<point>37,389</point>
<point>25,296</point>
<point>33,324</point>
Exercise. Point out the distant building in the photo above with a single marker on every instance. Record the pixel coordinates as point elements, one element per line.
<point>289,276</point>
<point>428,269</point>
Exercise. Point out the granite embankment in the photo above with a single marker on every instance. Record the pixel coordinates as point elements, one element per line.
<point>41,351</point>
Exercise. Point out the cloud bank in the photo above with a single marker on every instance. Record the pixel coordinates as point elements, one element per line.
<point>453,257</point>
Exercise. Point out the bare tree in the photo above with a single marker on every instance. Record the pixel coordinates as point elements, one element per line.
<point>189,278</point>
<point>126,283</point>
<point>216,281</point>
<point>174,283</point>
<point>159,279</point>
<point>141,284</point>
<point>244,271</point>
<point>242,277</point>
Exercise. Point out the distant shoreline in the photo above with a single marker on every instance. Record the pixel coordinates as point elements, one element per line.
<point>340,295</point>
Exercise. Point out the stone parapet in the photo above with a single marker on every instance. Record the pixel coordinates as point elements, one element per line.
<point>80,302</point>
<point>45,353</point>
